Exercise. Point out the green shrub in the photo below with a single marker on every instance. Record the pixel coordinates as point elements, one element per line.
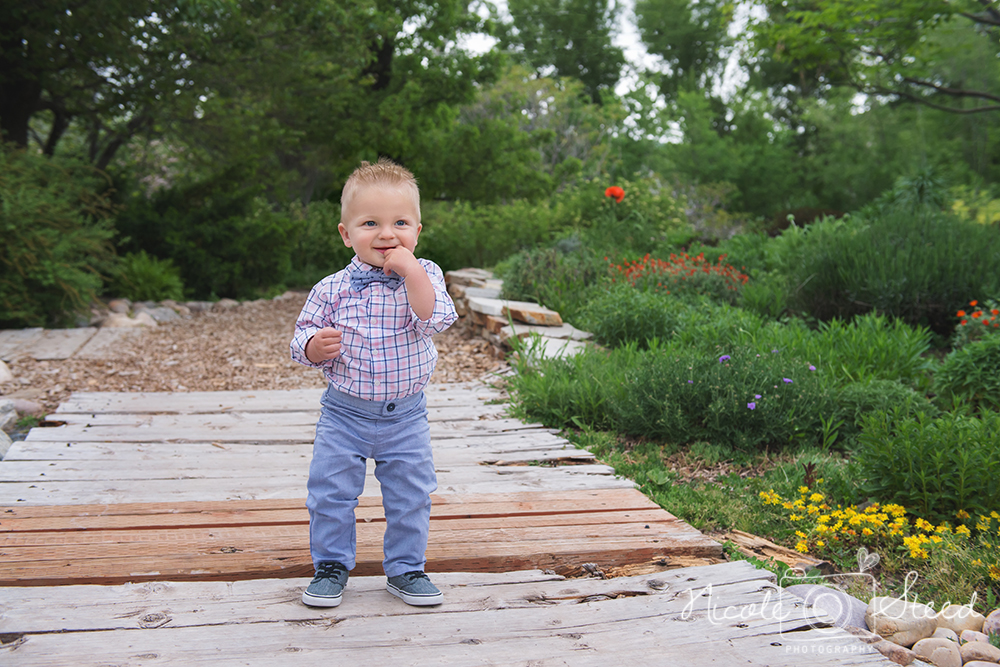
<point>318,248</point>
<point>932,466</point>
<point>683,276</point>
<point>140,277</point>
<point>679,395</point>
<point>857,399</point>
<point>766,294</point>
<point>918,265</point>
<point>54,219</point>
<point>977,320</point>
<point>971,375</point>
<point>624,314</point>
<point>558,278</point>
<point>225,239</point>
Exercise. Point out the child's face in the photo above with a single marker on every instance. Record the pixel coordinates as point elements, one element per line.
<point>377,219</point>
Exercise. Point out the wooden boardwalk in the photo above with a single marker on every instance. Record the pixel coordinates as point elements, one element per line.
<point>170,529</point>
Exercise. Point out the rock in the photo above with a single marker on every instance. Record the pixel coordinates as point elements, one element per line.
<point>979,663</point>
<point>225,304</point>
<point>120,306</point>
<point>5,443</point>
<point>898,654</point>
<point>160,314</point>
<point>900,621</point>
<point>468,276</point>
<point>992,623</point>
<point>973,636</point>
<point>181,310</point>
<point>483,292</point>
<point>984,651</point>
<point>5,374</point>
<point>939,652</point>
<point>26,407</point>
<point>199,306</point>
<point>8,415</point>
<point>845,610</point>
<point>945,633</point>
<point>959,618</point>
<point>121,320</point>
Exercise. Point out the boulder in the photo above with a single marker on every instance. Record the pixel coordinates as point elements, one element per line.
<point>991,625</point>
<point>5,443</point>
<point>945,633</point>
<point>973,636</point>
<point>901,622</point>
<point>5,374</point>
<point>939,652</point>
<point>845,610</point>
<point>960,618</point>
<point>984,651</point>
<point>8,415</point>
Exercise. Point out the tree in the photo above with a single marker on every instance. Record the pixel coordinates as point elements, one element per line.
<point>913,50</point>
<point>571,36</point>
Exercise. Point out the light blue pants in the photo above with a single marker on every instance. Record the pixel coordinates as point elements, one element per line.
<point>396,434</point>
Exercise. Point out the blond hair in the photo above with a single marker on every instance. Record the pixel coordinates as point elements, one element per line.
<point>384,174</point>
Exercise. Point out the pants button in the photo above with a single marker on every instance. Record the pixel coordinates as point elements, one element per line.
<point>390,407</point>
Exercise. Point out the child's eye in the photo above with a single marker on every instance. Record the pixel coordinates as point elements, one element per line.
<point>369,223</point>
<point>401,223</point>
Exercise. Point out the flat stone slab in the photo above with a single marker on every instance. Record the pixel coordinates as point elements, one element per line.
<point>104,343</point>
<point>61,343</point>
<point>14,342</point>
<point>483,292</point>
<point>505,330</point>
<point>468,276</point>
<point>522,311</point>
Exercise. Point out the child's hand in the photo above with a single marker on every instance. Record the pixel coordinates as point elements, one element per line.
<point>324,345</point>
<point>400,260</point>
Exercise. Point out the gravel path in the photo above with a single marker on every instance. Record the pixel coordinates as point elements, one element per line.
<point>245,347</point>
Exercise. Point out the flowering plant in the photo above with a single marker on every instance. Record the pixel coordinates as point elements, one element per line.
<point>682,275</point>
<point>616,193</point>
<point>976,321</point>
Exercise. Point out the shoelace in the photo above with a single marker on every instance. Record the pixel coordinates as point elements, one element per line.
<point>331,570</point>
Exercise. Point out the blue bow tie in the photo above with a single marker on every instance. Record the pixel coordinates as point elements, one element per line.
<point>362,279</point>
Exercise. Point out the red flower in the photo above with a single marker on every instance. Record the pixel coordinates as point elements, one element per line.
<point>961,313</point>
<point>974,302</point>
<point>616,193</point>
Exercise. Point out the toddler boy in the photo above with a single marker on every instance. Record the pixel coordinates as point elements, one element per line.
<point>369,328</point>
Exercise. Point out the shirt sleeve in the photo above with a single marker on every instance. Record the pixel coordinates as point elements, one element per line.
<point>316,314</point>
<point>444,314</point>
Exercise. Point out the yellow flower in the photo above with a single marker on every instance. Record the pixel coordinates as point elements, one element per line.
<point>803,490</point>
<point>802,547</point>
<point>824,518</point>
<point>820,543</point>
<point>867,531</point>
<point>963,530</point>
<point>994,514</point>
<point>794,517</point>
<point>816,497</point>
<point>994,573</point>
<point>962,514</point>
<point>801,534</point>
<point>935,539</point>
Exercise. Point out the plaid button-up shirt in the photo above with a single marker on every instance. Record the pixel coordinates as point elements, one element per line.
<point>386,351</point>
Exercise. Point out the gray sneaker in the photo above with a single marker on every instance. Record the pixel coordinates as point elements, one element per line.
<point>414,588</point>
<point>327,587</point>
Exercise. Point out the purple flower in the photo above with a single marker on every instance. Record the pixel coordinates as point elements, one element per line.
<point>774,352</point>
<point>690,381</point>
<point>724,358</point>
<point>756,395</point>
<point>811,367</point>
<point>786,380</point>
<point>751,405</point>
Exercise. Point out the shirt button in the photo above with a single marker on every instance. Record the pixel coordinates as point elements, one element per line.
<point>390,407</point>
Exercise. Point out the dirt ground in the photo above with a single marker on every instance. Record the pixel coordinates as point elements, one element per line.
<point>245,347</point>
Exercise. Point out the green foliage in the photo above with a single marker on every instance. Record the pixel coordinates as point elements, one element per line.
<point>932,466</point>
<point>558,278</point>
<point>56,238</point>
<point>971,375</point>
<point>226,241</point>
<point>856,399</point>
<point>623,315</point>
<point>141,277</point>
<point>918,265</point>
<point>679,395</point>
<point>318,248</point>
<point>685,277</point>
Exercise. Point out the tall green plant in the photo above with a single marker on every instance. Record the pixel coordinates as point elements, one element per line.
<point>54,220</point>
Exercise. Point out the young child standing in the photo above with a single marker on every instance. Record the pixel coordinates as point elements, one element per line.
<point>369,328</point>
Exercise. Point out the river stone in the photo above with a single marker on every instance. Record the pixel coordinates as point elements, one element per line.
<point>5,443</point>
<point>940,652</point>
<point>984,651</point>
<point>945,633</point>
<point>900,621</point>
<point>123,320</point>
<point>119,305</point>
<point>973,636</point>
<point>160,314</point>
<point>979,663</point>
<point>5,374</point>
<point>844,609</point>
<point>8,415</point>
<point>992,623</point>
<point>898,654</point>
<point>960,618</point>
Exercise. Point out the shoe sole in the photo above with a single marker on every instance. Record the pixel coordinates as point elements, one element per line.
<point>320,601</point>
<point>416,600</point>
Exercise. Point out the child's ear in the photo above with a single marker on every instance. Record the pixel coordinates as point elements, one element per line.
<point>343,234</point>
<point>417,237</point>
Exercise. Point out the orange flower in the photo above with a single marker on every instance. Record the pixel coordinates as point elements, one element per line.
<point>995,311</point>
<point>960,313</point>
<point>974,302</point>
<point>615,193</point>
<point>977,314</point>
<point>964,322</point>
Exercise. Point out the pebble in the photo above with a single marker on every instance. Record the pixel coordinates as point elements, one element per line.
<point>940,652</point>
<point>120,306</point>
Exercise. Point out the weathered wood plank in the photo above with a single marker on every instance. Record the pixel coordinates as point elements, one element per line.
<point>60,343</point>
<point>651,620</point>
<point>17,342</point>
<point>293,400</point>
